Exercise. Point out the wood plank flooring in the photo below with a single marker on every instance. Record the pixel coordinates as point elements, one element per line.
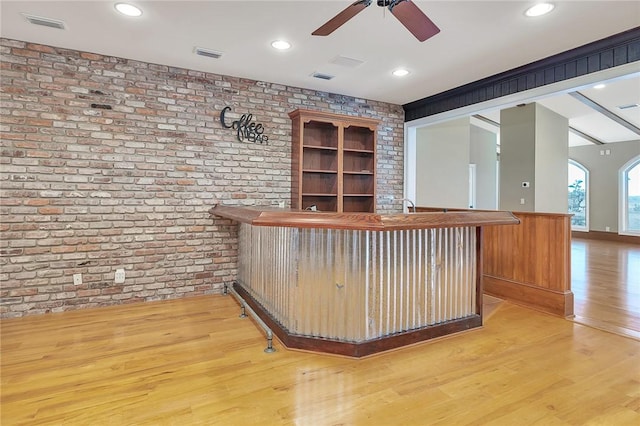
<point>605,280</point>
<point>194,362</point>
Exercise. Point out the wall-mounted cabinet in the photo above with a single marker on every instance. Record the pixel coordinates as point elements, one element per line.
<point>333,162</point>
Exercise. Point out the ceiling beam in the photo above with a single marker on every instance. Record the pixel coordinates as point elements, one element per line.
<point>486,120</point>
<point>585,136</point>
<point>573,130</point>
<point>604,111</point>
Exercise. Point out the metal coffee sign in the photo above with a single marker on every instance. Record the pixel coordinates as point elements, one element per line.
<point>246,130</point>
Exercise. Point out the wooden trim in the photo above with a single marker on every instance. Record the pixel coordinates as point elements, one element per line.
<point>539,298</point>
<point>479,273</point>
<point>265,216</point>
<point>613,51</point>
<point>516,213</point>
<point>605,236</point>
<point>357,350</point>
<point>307,115</point>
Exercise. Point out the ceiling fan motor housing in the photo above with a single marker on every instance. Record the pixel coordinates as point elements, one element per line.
<point>406,11</point>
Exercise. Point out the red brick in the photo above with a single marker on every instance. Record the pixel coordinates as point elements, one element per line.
<point>136,194</point>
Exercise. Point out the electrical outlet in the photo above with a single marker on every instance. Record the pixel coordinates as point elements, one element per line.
<point>77,279</point>
<point>521,200</point>
<point>119,276</point>
<point>607,228</point>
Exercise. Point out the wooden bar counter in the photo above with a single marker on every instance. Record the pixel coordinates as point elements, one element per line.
<point>360,283</point>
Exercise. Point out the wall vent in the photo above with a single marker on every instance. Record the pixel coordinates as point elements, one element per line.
<point>209,53</point>
<point>45,22</point>
<point>322,76</point>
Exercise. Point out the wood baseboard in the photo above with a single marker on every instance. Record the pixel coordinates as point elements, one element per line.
<point>605,236</point>
<point>357,350</point>
<point>539,298</point>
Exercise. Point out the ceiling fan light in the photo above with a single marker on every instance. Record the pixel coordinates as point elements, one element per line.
<point>400,72</point>
<point>128,9</point>
<point>281,44</point>
<point>539,9</point>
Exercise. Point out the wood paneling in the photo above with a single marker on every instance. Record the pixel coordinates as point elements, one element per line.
<point>530,263</point>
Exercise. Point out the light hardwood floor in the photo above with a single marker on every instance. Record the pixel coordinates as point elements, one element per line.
<point>605,280</point>
<point>194,362</point>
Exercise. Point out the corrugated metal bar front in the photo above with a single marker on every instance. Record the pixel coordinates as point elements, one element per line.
<point>267,268</point>
<point>352,285</point>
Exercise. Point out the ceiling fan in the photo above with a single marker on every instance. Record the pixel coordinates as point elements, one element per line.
<point>405,10</point>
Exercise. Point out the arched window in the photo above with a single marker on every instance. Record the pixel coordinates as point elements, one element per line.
<point>630,198</point>
<point>578,196</point>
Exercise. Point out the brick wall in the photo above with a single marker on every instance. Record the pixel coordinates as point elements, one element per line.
<point>113,163</point>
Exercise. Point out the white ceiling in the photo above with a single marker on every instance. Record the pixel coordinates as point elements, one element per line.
<point>620,92</point>
<point>477,39</point>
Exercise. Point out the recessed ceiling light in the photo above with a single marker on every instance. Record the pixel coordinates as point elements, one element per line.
<point>280,44</point>
<point>400,72</point>
<point>539,9</point>
<point>599,86</point>
<point>128,9</point>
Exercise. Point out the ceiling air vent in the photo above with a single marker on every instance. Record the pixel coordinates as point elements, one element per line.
<point>45,22</point>
<point>322,76</point>
<point>346,61</point>
<point>629,106</point>
<point>208,53</point>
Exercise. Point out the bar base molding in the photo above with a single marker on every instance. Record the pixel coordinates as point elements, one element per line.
<point>605,236</point>
<point>358,350</point>
<point>538,298</point>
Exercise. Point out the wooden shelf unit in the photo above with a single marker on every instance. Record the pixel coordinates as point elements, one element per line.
<point>333,162</point>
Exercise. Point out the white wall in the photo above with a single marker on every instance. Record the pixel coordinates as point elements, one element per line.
<point>517,153</point>
<point>533,149</point>
<point>552,140</point>
<point>482,153</point>
<point>442,164</point>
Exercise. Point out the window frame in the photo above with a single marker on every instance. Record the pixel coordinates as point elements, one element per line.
<point>623,197</point>
<point>579,228</point>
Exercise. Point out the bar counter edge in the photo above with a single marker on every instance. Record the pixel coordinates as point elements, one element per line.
<point>265,216</point>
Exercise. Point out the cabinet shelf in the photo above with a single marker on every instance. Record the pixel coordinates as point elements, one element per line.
<point>364,151</point>
<point>328,148</point>
<point>362,172</point>
<point>333,163</point>
<point>319,171</point>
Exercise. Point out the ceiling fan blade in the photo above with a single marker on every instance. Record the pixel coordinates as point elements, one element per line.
<point>414,19</point>
<point>342,17</point>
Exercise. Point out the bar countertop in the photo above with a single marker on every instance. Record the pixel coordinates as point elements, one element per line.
<point>270,216</point>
